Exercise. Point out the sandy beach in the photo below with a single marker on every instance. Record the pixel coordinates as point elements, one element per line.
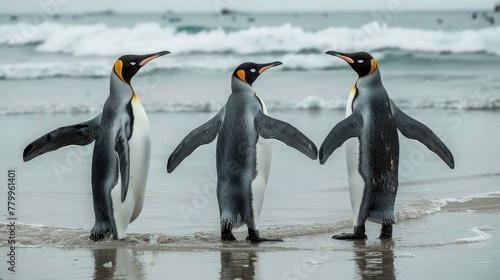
<point>424,249</point>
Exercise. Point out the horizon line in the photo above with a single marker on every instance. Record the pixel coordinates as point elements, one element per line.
<point>239,12</point>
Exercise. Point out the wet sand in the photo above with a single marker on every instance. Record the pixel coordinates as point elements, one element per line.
<point>438,246</point>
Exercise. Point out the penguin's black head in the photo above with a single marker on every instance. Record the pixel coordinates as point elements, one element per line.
<point>128,65</point>
<point>361,62</point>
<point>249,71</point>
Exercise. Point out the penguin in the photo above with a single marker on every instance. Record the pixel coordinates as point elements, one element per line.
<point>243,153</point>
<point>121,156</point>
<point>372,155</point>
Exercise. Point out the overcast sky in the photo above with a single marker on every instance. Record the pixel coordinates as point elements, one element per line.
<point>77,6</point>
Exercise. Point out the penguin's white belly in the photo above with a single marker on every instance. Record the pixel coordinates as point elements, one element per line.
<point>356,182</point>
<point>140,153</point>
<point>263,158</point>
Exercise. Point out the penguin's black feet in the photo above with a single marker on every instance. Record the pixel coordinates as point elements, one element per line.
<point>258,239</point>
<point>386,232</point>
<point>226,235</point>
<point>359,233</point>
<point>254,237</point>
<point>99,231</point>
<point>349,236</point>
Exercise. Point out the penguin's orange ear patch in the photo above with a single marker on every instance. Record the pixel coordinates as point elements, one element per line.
<point>374,66</point>
<point>241,75</point>
<point>118,69</point>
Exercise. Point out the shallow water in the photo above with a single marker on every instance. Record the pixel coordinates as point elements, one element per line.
<point>453,251</point>
<point>185,201</point>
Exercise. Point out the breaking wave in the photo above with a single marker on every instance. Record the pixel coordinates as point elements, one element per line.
<point>100,39</point>
<point>91,49</point>
<point>310,103</point>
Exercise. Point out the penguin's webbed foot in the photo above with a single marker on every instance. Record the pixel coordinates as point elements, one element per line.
<point>254,237</point>
<point>349,236</point>
<point>358,233</point>
<point>99,231</point>
<point>258,239</point>
<point>226,235</point>
<point>386,232</point>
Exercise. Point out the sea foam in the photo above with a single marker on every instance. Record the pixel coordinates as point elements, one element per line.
<point>36,235</point>
<point>100,39</point>
<point>312,103</point>
<point>92,48</point>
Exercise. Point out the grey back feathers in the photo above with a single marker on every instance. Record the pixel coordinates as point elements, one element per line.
<point>242,102</point>
<point>371,88</point>
<point>116,128</point>
<point>112,130</point>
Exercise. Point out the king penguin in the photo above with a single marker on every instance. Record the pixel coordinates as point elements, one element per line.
<point>120,161</point>
<point>243,153</point>
<point>373,120</point>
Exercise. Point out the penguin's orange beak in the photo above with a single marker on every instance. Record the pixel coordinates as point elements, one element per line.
<point>341,56</point>
<point>151,57</point>
<point>269,65</point>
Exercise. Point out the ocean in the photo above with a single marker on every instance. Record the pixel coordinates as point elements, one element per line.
<point>442,68</point>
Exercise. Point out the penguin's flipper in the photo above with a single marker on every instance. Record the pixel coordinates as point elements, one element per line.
<point>77,134</point>
<point>271,128</point>
<point>123,150</point>
<point>416,130</point>
<point>201,135</point>
<point>341,132</point>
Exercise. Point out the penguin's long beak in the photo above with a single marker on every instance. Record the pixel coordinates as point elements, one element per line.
<point>340,55</point>
<point>269,65</point>
<point>152,56</point>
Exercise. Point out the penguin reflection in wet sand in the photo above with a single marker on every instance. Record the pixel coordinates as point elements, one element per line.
<point>120,162</point>
<point>243,151</point>
<point>372,120</point>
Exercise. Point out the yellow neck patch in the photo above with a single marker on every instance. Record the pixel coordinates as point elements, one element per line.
<point>241,75</point>
<point>118,69</point>
<point>135,98</point>
<point>354,90</point>
<point>260,101</point>
<point>374,66</point>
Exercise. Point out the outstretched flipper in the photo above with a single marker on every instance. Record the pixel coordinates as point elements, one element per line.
<point>202,135</point>
<point>347,128</point>
<point>123,150</point>
<point>271,128</point>
<point>416,130</point>
<point>78,134</point>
